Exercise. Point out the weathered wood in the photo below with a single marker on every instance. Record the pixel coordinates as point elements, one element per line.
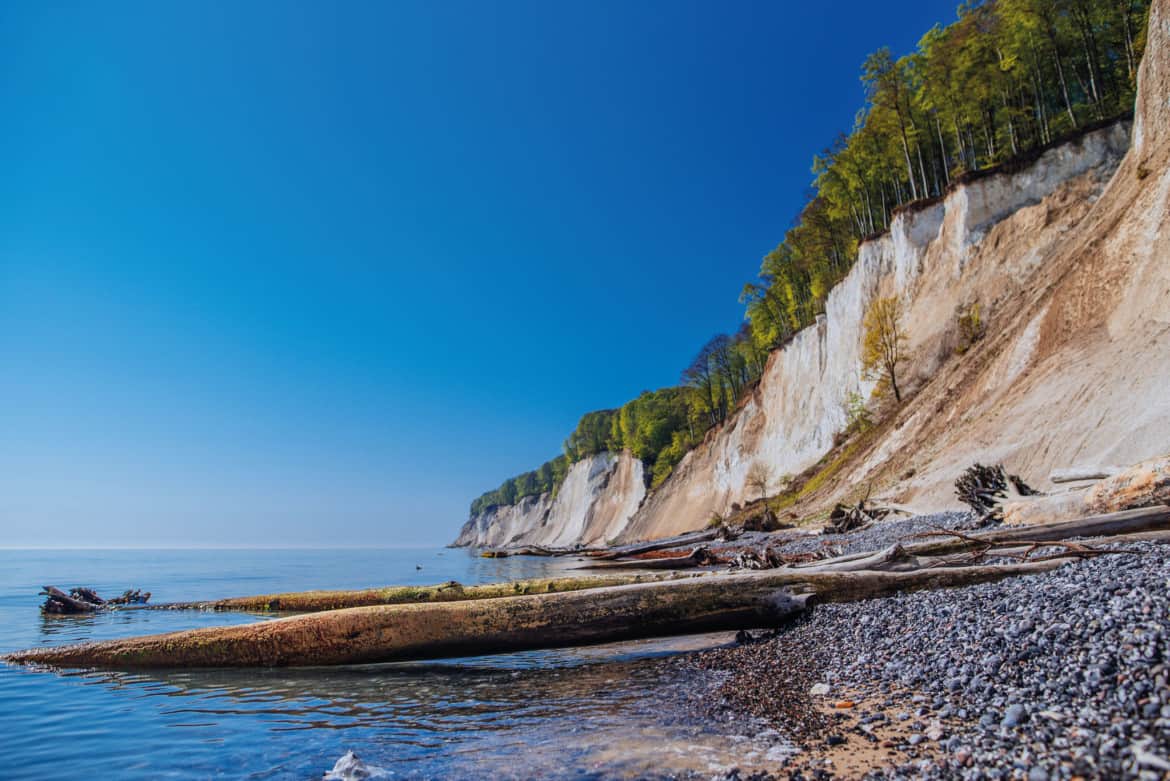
<point>1115,526</point>
<point>681,541</point>
<point>699,557</point>
<point>883,560</point>
<point>535,550</point>
<point>60,603</point>
<point>451,591</point>
<point>437,630</point>
<point>1078,473</point>
<point>985,488</point>
<point>82,600</point>
<point>1124,522</point>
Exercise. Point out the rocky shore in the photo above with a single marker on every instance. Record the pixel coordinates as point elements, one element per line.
<point>1058,676</point>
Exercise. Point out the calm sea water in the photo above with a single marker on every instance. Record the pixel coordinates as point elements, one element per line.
<point>606,711</point>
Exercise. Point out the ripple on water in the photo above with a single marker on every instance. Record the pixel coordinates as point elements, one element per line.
<point>602,711</point>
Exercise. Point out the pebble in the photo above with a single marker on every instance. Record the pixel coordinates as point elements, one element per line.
<point>1050,676</point>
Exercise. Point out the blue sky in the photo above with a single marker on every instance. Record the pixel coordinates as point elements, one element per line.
<point>319,274</point>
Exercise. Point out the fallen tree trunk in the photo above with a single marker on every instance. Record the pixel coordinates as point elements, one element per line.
<point>436,630</point>
<point>699,557</point>
<point>1109,524</point>
<point>535,550</point>
<point>681,541</point>
<point>1078,473</point>
<point>1114,527</point>
<point>884,560</point>
<point>451,591</point>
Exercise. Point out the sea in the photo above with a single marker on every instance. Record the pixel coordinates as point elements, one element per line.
<point>624,710</point>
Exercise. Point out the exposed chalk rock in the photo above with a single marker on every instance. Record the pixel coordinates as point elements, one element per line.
<point>592,506</point>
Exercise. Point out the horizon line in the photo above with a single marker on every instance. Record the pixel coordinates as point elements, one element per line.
<point>217,547</point>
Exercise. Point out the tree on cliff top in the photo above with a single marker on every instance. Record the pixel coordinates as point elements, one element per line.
<point>885,345</point>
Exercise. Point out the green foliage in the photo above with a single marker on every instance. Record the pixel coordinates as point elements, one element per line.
<point>857,414</point>
<point>1007,77</point>
<point>548,477</point>
<point>884,347</point>
<point>971,328</point>
<point>592,435</point>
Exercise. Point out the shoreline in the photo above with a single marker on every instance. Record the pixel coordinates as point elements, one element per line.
<point>1059,676</point>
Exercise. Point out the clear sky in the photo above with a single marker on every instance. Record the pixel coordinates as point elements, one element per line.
<point>302,273</point>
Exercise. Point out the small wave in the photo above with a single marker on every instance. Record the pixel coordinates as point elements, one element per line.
<point>351,768</point>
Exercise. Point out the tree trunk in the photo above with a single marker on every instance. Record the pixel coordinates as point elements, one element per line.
<point>680,541</point>
<point>317,601</point>
<point>942,147</point>
<point>1063,83</point>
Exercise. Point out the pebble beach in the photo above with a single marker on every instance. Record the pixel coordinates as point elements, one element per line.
<point>1061,675</point>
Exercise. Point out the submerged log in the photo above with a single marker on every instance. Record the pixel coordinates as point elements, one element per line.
<point>57,602</point>
<point>429,631</point>
<point>451,591</point>
<point>81,600</point>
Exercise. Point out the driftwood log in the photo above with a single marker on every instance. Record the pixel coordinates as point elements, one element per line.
<point>82,600</point>
<point>698,557</point>
<point>437,630</point>
<point>57,602</point>
<point>1078,474</point>
<point>451,591</point>
<point>534,550</point>
<point>691,539</point>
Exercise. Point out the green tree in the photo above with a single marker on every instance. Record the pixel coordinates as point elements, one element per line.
<point>884,348</point>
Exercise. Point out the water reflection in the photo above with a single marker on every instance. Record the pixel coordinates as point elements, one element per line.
<point>617,709</point>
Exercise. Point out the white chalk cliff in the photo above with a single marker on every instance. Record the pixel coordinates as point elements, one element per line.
<point>591,507</point>
<point>1069,260</point>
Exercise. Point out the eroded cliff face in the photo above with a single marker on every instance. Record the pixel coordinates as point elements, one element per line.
<point>592,506</point>
<point>937,261</point>
<point>1069,261</point>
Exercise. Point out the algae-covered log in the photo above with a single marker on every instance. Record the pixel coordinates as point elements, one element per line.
<point>447,629</point>
<point>451,591</point>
